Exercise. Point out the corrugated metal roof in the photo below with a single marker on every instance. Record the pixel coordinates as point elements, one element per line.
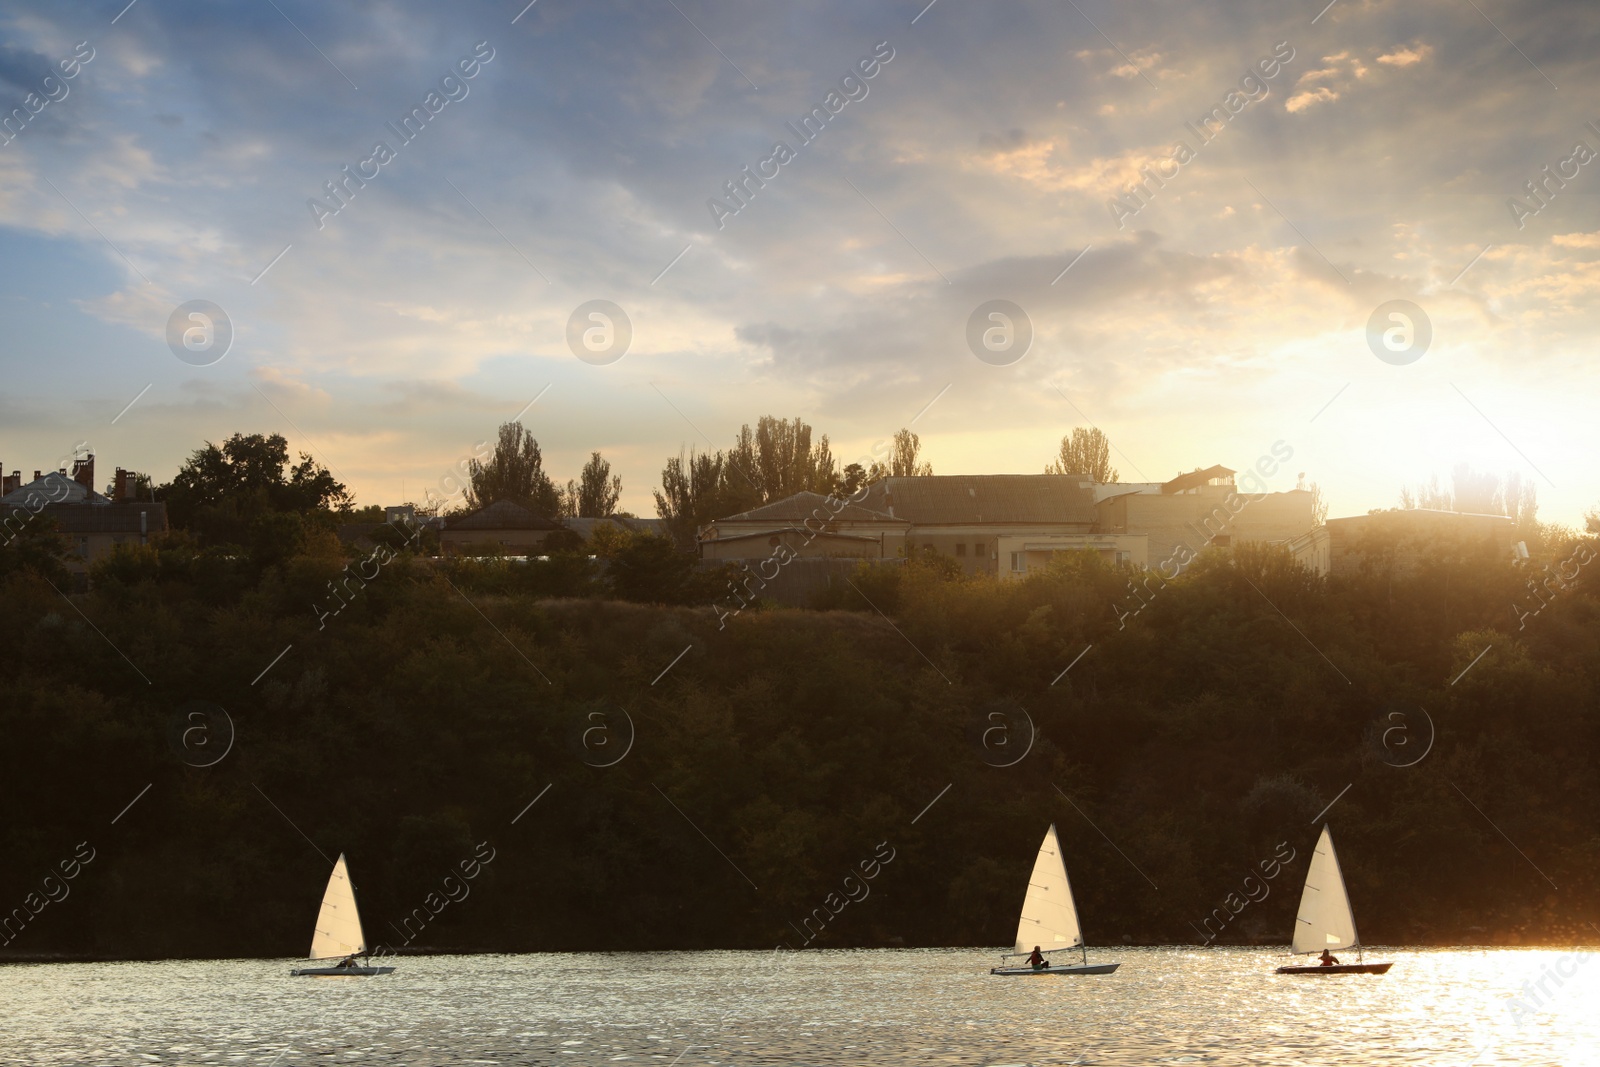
<point>952,499</point>
<point>802,506</point>
<point>502,515</point>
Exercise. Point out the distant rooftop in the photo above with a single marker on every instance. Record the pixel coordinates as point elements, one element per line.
<point>988,498</point>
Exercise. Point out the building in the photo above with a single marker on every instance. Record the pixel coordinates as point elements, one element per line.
<point>503,528</point>
<point>810,527</point>
<point>1203,508</point>
<point>1399,539</point>
<point>1010,524</point>
<point>585,528</point>
<point>91,524</point>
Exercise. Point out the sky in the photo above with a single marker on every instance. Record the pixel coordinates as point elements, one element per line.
<point>1357,155</point>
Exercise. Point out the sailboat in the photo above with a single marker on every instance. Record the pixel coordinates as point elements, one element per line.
<point>337,935</point>
<point>1325,921</point>
<point>1049,917</point>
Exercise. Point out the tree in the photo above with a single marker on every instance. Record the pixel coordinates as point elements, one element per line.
<point>691,494</point>
<point>1319,505</point>
<point>1481,493</point>
<point>775,460</point>
<point>221,490</point>
<point>650,569</point>
<point>1086,452</point>
<point>32,543</point>
<point>855,476</point>
<point>514,472</point>
<point>596,492</point>
<point>902,460</point>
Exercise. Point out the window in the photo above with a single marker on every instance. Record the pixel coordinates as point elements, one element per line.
<point>1017,564</point>
<point>961,550</point>
<point>977,549</point>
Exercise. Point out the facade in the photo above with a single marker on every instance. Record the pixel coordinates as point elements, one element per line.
<point>1202,509</point>
<point>967,516</point>
<point>809,526</point>
<point>92,524</point>
<point>1010,524</point>
<point>1401,539</point>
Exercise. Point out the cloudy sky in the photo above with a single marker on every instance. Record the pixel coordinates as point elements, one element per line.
<point>1225,307</point>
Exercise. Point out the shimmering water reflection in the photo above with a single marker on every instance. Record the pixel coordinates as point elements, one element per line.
<point>1165,1005</point>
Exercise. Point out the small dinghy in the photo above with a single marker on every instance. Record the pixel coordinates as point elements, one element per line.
<point>337,935</point>
<point>1050,918</point>
<point>1325,921</point>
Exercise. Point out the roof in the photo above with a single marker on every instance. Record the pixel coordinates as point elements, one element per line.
<point>1195,479</point>
<point>1412,514</point>
<point>56,488</point>
<point>502,515</point>
<point>810,535</point>
<point>802,506</point>
<point>985,498</point>
<point>101,516</point>
<point>586,527</point>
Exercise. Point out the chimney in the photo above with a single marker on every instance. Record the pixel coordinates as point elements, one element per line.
<point>123,485</point>
<point>83,471</point>
<point>10,483</point>
<point>37,475</point>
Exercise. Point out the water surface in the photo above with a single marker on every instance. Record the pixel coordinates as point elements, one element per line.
<point>923,1006</point>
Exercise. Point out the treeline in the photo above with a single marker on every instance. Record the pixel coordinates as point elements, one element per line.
<point>247,493</point>
<point>766,760</point>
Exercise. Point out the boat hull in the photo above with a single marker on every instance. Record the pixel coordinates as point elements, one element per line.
<point>1340,968</point>
<point>340,972</point>
<point>1076,968</point>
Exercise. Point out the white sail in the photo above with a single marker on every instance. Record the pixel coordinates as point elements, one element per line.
<point>1325,920</point>
<point>338,931</point>
<point>1049,917</point>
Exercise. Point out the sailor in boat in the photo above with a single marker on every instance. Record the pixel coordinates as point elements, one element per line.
<point>348,963</point>
<point>1037,960</point>
<point>1328,959</point>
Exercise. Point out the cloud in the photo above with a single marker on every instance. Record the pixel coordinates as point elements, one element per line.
<point>23,69</point>
<point>977,167</point>
<point>1405,57</point>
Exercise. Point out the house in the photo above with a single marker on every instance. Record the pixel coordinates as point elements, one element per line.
<point>92,524</point>
<point>1400,539</point>
<point>585,528</point>
<point>1201,509</point>
<point>1010,524</point>
<point>1001,524</point>
<point>503,528</point>
<point>810,527</point>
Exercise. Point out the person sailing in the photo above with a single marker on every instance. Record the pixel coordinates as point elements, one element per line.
<point>1037,960</point>
<point>1328,959</point>
<point>348,963</point>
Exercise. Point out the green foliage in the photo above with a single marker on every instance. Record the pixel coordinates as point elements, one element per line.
<point>1086,452</point>
<point>223,493</point>
<point>514,472</point>
<point>33,544</point>
<point>775,460</point>
<point>596,492</point>
<point>1195,734</point>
